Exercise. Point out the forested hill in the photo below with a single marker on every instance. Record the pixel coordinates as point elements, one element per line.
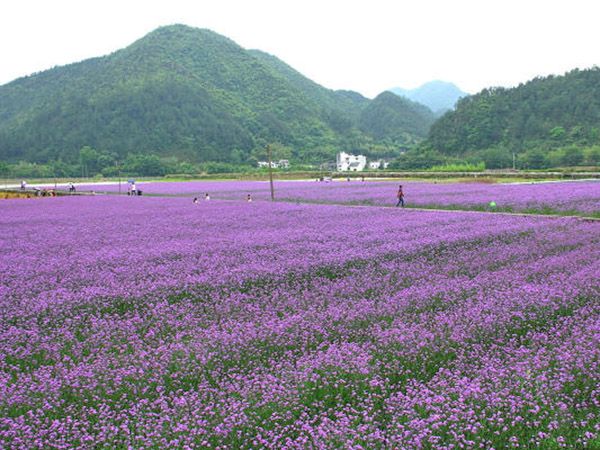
<point>339,106</point>
<point>187,93</point>
<point>542,114</point>
<point>391,116</point>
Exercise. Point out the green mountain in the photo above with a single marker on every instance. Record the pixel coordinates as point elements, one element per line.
<point>540,115</point>
<point>187,93</point>
<point>439,96</point>
<point>389,116</point>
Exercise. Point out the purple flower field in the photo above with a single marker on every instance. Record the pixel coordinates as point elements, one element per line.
<point>152,322</point>
<point>577,197</point>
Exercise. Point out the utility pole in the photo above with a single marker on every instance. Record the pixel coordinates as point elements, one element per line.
<point>119,173</point>
<point>270,172</point>
<point>514,161</point>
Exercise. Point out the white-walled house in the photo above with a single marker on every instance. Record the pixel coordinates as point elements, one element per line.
<point>350,163</point>
<point>281,164</point>
<point>379,164</point>
<point>263,164</point>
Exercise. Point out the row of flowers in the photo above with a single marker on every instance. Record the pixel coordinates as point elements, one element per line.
<point>157,323</point>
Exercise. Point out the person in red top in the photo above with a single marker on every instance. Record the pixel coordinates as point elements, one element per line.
<point>400,196</point>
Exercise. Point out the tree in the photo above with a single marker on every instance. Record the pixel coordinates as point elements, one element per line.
<point>573,156</point>
<point>144,165</point>
<point>278,151</point>
<point>535,159</point>
<point>557,133</point>
<point>497,158</point>
<point>88,158</point>
<point>238,156</point>
<point>593,156</point>
<point>417,159</point>
<point>105,159</point>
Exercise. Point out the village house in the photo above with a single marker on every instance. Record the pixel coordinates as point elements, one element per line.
<point>281,164</point>
<point>350,163</point>
<point>379,164</point>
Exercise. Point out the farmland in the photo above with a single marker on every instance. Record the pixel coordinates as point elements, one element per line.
<point>572,198</point>
<point>151,322</point>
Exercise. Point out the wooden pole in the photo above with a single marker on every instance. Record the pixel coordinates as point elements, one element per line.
<point>270,173</point>
<point>119,173</point>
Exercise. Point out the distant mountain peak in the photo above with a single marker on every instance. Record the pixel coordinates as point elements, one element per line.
<point>439,96</point>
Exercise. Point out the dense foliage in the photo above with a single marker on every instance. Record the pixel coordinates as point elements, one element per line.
<point>185,93</point>
<point>392,117</point>
<point>546,122</point>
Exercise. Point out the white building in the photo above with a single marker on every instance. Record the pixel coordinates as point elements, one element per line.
<point>281,164</point>
<point>380,164</point>
<point>351,163</point>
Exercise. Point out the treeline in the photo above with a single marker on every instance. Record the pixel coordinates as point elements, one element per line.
<point>98,163</point>
<point>94,163</point>
<point>134,165</point>
<point>501,158</point>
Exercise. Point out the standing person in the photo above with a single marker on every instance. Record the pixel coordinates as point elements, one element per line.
<point>206,196</point>
<point>133,189</point>
<point>23,185</point>
<point>400,196</point>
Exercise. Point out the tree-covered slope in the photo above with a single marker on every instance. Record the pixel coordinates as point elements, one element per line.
<point>544,113</point>
<point>176,90</point>
<point>179,91</point>
<point>393,118</point>
<point>341,109</point>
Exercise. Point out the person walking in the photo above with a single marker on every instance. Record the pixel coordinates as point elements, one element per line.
<point>400,196</point>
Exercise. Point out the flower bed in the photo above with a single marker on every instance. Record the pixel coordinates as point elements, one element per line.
<point>155,322</point>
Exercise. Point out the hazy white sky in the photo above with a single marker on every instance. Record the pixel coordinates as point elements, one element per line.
<point>367,46</point>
